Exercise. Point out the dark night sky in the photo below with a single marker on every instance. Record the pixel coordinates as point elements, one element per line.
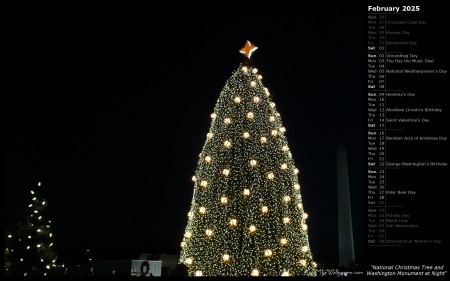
<point>108,106</point>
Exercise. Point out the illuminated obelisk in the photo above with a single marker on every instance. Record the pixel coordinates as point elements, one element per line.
<point>346,251</point>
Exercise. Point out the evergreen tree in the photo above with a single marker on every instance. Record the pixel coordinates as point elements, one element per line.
<point>29,247</point>
<point>246,216</point>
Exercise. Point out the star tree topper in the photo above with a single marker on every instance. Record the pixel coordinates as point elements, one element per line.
<point>248,49</point>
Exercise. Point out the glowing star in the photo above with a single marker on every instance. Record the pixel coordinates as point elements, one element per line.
<point>227,144</point>
<point>202,210</point>
<point>305,249</point>
<point>253,163</point>
<point>198,273</point>
<point>246,135</point>
<point>208,159</point>
<point>284,166</point>
<point>252,228</point>
<point>204,184</point>
<point>297,186</point>
<point>248,49</point>
<point>227,121</point>
<point>224,200</point>
<point>226,172</point>
<point>263,140</point>
<point>255,272</point>
<point>237,100</point>
<point>189,261</point>
<point>209,136</point>
<point>283,241</point>
<point>286,220</point>
<point>305,216</point>
<point>226,258</point>
<point>250,115</point>
<point>268,253</point>
<point>233,222</point>
<point>209,232</point>
<point>270,176</point>
<point>246,192</point>
<point>256,99</point>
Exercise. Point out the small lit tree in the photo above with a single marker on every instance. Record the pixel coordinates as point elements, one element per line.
<point>29,247</point>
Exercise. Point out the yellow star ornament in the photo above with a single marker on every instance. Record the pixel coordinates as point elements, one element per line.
<point>248,49</point>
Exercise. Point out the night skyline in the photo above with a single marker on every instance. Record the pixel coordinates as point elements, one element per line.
<point>108,106</point>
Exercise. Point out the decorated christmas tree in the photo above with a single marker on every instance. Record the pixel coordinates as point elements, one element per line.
<point>246,216</point>
<point>28,249</point>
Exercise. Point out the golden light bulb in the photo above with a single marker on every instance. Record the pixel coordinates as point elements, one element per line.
<point>286,220</point>
<point>202,210</point>
<point>284,166</point>
<point>209,232</point>
<point>189,261</point>
<point>253,83</point>
<point>285,148</point>
<point>256,99</point>
<point>213,116</point>
<point>263,140</point>
<point>188,234</point>
<point>287,199</point>
<point>194,179</point>
<point>274,133</point>
<point>244,69</point>
<point>209,136</point>
<point>204,184</point>
<point>296,186</point>
<point>182,244</point>
<point>250,115</point>
<point>296,171</point>
<point>264,209</point>
<point>255,272</point>
<point>224,200</point>
<point>233,222</point>
<point>272,118</point>
<point>226,258</point>
<point>259,77</point>
<point>270,176</point>
<point>246,135</point>
<point>304,227</point>
<point>237,100</point>
<point>255,70</point>
<point>305,249</point>
<point>268,253</point>
<point>252,228</point>
<point>303,262</point>
<point>283,241</point>
<point>253,163</point>
<point>227,121</point>
<point>282,129</point>
<point>272,105</point>
<point>246,192</point>
<point>198,273</point>
<point>226,172</point>
<point>227,144</point>
<point>208,159</point>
